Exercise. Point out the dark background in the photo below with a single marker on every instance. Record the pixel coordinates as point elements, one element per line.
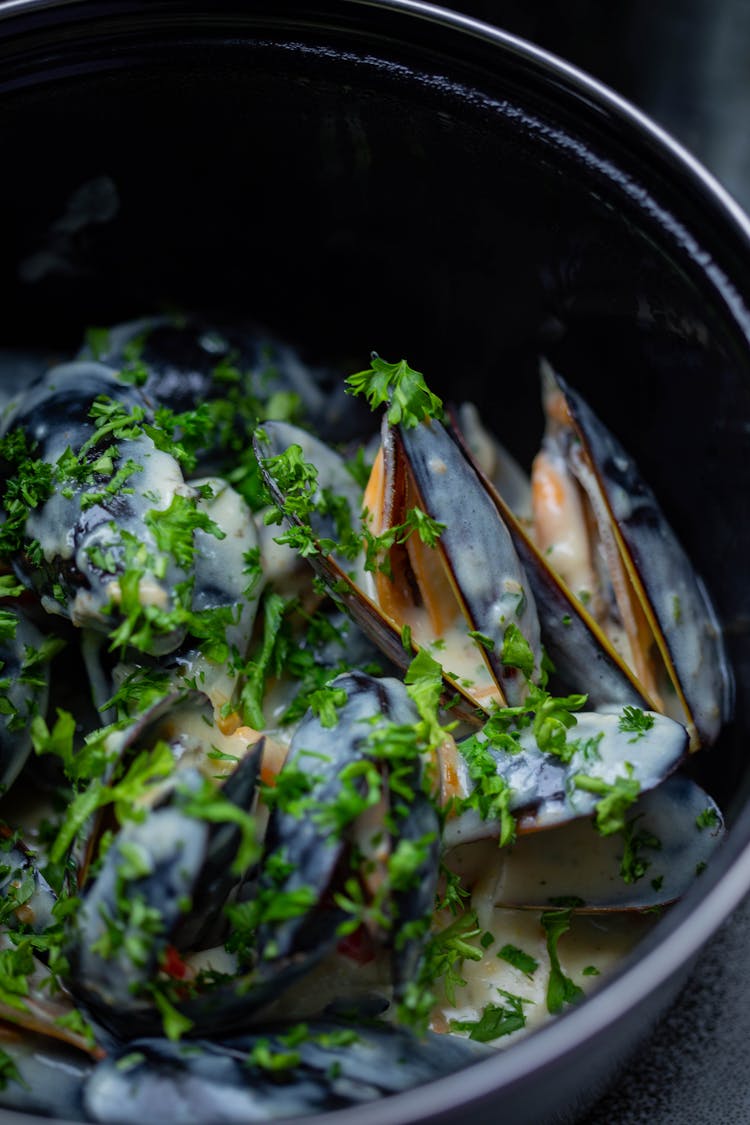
<point>685,63</point>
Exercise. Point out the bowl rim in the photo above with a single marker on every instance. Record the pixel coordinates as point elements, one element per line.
<point>683,934</point>
<point>445,16</point>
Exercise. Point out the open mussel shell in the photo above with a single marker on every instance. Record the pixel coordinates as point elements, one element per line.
<point>481,562</point>
<point>671,595</point>
<point>154,872</point>
<point>43,1012</point>
<point>544,790</point>
<point>305,853</point>
<point>582,656</point>
<point>192,359</point>
<point>672,832</point>
<point>46,1018</point>
<point>312,848</point>
<point>484,601</point>
<point>275,438</point>
<point>48,1076</point>
<point>346,587</point>
<point>333,1065</point>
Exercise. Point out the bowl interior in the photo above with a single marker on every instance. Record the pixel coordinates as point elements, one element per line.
<point>359,177</point>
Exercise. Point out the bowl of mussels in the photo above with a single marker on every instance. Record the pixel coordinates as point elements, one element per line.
<point>373,539</point>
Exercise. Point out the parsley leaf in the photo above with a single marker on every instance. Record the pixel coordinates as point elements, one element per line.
<point>553,718</point>
<point>400,387</point>
<point>633,864</point>
<point>440,968</point>
<point>496,1020</point>
<point>491,795</point>
<point>9,1071</point>
<point>707,818</point>
<point>173,528</point>
<point>561,989</point>
<point>516,651</point>
<point>635,721</point>
<point>519,959</point>
<point>615,798</point>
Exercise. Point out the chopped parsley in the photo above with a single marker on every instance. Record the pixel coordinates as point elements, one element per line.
<point>636,722</point>
<point>9,1071</point>
<point>441,969</point>
<point>399,387</point>
<point>497,1020</point>
<point>615,798</point>
<point>561,990</point>
<point>518,959</point>
<point>516,651</point>
<point>633,863</point>
<point>491,796</point>
<point>174,528</point>
<point>707,818</point>
<point>265,1057</point>
<point>174,1023</point>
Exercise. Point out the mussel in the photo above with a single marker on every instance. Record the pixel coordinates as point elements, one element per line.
<point>283,1071</point>
<point>604,752</point>
<point>235,369</point>
<point>111,534</point>
<point>670,834</point>
<point>311,838</point>
<point>481,588</point>
<point>86,544</point>
<point>160,887</point>
<point>42,1076</point>
<point>249,803</point>
<point>385,607</point>
<point>487,582</point>
<point>327,867</point>
<point>639,583</point>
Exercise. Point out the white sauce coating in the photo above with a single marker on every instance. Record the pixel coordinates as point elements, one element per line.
<point>206,736</point>
<point>598,942</point>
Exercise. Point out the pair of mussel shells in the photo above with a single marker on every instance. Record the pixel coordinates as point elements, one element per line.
<point>644,638</point>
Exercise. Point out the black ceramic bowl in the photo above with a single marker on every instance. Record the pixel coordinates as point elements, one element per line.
<point>388,175</point>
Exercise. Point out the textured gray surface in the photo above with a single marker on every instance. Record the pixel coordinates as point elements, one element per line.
<point>694,1067</point>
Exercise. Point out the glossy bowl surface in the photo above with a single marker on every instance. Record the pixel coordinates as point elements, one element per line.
<point>390,175</point>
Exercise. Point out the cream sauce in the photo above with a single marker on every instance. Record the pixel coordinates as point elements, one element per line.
<point>593,942</point>
<point>208,736</point>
